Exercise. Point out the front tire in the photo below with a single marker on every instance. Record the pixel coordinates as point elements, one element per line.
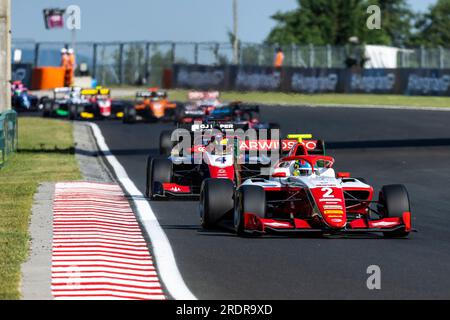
<point>73,112</point>
<point>394,200</point>
<point>216,200</point>
<point>130,114</point>
<point>159,171</point>
<point>47,109</point>
<point>249,199</point>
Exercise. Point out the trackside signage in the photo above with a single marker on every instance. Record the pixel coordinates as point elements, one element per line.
<point>433,82</point>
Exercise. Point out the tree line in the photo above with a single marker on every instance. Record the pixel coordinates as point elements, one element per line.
<point>322,22</point>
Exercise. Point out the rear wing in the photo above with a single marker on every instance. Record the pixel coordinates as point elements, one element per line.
<point>150,94</point>
<point>203,95</point>
<point>95,92</point>
<point>245,107</point>
<point>62,90</point>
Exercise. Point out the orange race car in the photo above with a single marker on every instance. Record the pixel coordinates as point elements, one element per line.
<point>150,105</point>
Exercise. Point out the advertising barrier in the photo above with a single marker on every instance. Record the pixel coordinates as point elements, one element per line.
<point>433,82</point>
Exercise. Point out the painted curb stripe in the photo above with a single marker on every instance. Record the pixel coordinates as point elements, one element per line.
<point>98,248</point>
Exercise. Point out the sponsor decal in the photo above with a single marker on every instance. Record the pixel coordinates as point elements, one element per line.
<point>384,224</point>
<point>300,82</point>
<point>371,83</point>
<point>200,78</point>
<point>428,84</point>
<point>258,80</point>
<point>340,212</point>
<point>276,224</point>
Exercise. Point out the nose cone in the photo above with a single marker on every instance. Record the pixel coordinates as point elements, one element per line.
<point>331,204</point>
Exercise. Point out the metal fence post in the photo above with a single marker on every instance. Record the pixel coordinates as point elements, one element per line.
<point>94,60</point>
<point>422,57</point>
<point>36,54</point>
<point>121,45</point>
<point>311,55</point>
<point>441,58</point>
<point>329,60</point>
<point>172,54</point>
<point>146,64</point>
<point>196,53</point>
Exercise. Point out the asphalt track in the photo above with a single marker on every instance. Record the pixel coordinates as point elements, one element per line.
<point>384,146</point>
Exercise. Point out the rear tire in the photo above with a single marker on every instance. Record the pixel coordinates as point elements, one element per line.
<point>394,199</point>
<point>47,109</point>
<point>130,114</point>
<point>165,142</point>
<point>250,199</point>
<point>73,112</point>
<point>216,200</point>
<point>159,171</point>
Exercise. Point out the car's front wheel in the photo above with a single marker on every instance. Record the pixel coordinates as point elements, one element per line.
<point>248,199</point>
<point>159,171</point>
<point>216,200</point>
<point>394,201</point>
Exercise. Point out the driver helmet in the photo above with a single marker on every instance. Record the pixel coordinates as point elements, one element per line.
<point>302,168</point>
<point>221,145</point>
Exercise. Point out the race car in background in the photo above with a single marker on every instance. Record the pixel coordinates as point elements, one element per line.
<point>95,103</point>
<point>151,105</point>
<point>63,98</point>
<point>22,100</point>
<point>247,116</point>
<point>198,106</point>
<point>304,195</point>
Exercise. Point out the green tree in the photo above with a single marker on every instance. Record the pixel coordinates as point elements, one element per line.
<point>318,22</point>
<point>396,23</point>
<point>433,27</point>
<point>323,22</point>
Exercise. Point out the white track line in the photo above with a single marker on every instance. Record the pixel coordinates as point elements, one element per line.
<point>162,251</point>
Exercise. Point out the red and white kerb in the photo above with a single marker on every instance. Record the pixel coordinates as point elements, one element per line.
<point>98,248</point>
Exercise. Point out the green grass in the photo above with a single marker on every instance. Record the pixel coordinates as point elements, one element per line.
<point>326,99</point>
<point>45,154</point>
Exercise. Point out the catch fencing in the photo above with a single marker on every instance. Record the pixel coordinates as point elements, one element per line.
<point>143,62</point>
<point>8,135</point>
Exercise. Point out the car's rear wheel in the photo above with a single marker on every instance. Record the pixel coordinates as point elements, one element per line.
<point>47,108</point>
<point>394,201</point>
<point>165,142</point>
<point>216,200</point>
<point>73,112</point>
<point>159,171</point>
<point>130,114</point>
<point>248,199</point>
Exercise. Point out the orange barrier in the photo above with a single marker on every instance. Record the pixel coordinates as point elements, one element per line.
<point>47,78</point>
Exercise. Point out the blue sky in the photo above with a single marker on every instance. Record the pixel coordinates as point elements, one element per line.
<point>156,20</point>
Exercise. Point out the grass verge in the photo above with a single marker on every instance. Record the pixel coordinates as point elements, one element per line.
<point>45,154</point>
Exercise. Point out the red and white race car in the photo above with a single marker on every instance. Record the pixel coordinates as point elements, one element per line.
<point>305,195</point>
<point>221,157</point>
<point>199,105</point>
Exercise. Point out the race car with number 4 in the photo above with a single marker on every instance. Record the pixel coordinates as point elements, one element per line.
<point>181,175</point>
<point>304,195</point>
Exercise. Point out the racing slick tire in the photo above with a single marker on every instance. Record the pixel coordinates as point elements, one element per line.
<point>159,171</point>
<point>394,199</point>
<point>73,112</point>
<point>248,198</point>
<point>216,200</point>
<point>47,108</point>
<point>129,114</point>
<point>165,142</point>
